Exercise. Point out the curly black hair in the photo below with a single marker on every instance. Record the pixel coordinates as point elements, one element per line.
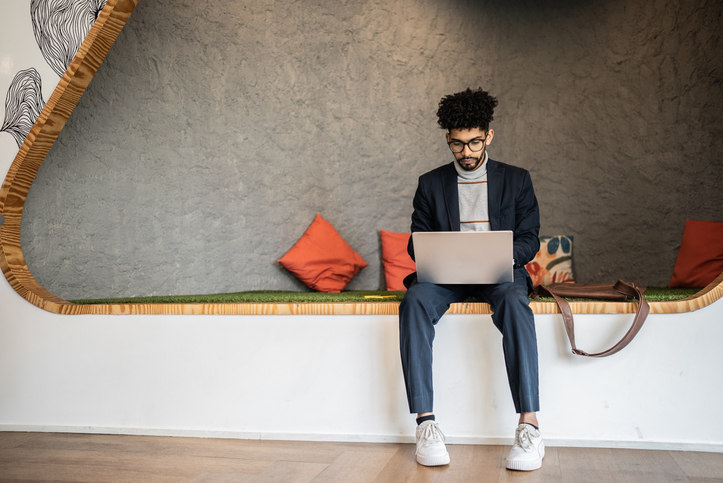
<point>466,110</point>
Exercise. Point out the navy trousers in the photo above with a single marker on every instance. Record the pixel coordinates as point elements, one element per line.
<point>423,306</point>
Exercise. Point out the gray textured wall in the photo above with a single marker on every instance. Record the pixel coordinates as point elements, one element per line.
<point>216,130</point>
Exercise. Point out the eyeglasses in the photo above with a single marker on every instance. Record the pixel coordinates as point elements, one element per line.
<point>475,145</point>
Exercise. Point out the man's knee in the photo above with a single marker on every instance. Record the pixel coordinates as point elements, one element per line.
<point>420,294</point>
<point>511,309</point>
<point>414,300</point>
<point>421,289</point>
<point>423,303</point>
<point>511,295</point>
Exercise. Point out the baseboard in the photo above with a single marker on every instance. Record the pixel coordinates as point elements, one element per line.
<point>360,438</point>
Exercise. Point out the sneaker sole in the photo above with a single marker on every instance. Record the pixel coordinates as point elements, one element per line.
<point>433,460</point>
<point>526,465</point>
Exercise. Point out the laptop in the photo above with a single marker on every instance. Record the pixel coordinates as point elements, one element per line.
<point>464,257</point>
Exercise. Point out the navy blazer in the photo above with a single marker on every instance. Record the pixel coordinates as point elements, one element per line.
<point>511,203</point>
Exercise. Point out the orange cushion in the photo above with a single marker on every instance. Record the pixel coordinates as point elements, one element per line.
<point>553,262</point>
<point>700,258</point>
<point>322,259</point>
<point>397,262</point>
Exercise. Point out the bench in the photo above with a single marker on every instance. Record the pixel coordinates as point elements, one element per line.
<point>327,371</point>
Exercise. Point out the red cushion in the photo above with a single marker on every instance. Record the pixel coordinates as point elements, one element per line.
<point>322,259</point>
<point>397,262</point>
<point>700,258</point>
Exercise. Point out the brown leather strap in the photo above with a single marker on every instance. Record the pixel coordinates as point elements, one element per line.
<point>630,290</point>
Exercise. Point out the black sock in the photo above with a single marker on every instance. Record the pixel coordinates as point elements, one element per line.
<point>425,418</point>
<point>532,426</point>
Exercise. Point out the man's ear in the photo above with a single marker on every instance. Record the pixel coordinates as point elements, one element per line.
<point>448,137</point>
<point>490,135</point>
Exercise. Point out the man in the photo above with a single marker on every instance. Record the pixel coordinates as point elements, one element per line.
<point>474,193</point>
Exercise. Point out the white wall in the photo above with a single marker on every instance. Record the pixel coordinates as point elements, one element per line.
<point>339,378</point>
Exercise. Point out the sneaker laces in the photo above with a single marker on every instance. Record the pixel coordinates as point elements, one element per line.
<point>433,433</point>
<point>523,438</point>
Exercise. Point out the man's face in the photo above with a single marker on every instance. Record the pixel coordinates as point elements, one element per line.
<point>469,159</point>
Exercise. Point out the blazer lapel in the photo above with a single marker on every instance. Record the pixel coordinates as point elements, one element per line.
<point>495,177</point>
<point>451,197</point>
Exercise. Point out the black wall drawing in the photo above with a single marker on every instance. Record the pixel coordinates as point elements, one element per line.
<point>59,26</point>
<point>23,104</point>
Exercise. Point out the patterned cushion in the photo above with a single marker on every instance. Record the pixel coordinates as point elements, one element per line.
<point>553,263</point>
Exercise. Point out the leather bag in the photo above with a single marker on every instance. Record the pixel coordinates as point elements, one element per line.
<point>618,291</point>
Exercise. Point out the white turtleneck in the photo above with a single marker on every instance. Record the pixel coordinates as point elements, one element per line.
<point>472,190</point>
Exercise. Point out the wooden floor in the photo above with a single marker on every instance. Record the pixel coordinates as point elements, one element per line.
<point>82,457</point>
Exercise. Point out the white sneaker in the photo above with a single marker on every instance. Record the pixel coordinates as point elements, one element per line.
<point>430,445</point>
<point>527,452</point>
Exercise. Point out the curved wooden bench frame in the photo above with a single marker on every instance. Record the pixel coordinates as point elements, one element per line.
<point>705,297</point>
<point>57,110</point>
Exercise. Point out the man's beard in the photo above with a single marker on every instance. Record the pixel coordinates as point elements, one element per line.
<point>470,163</point>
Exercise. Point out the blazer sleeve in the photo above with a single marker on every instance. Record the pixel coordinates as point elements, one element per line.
<point>422,214</point>
<point>527,223</point>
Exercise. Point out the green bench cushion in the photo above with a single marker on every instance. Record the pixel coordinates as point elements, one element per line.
<point>653,294</point>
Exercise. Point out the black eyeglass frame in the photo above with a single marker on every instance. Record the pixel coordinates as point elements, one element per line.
<point>468,144</point>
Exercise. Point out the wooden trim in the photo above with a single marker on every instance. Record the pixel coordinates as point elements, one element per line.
<point>45,131</point>
<point>32,153</point>
<point>705,297</point>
